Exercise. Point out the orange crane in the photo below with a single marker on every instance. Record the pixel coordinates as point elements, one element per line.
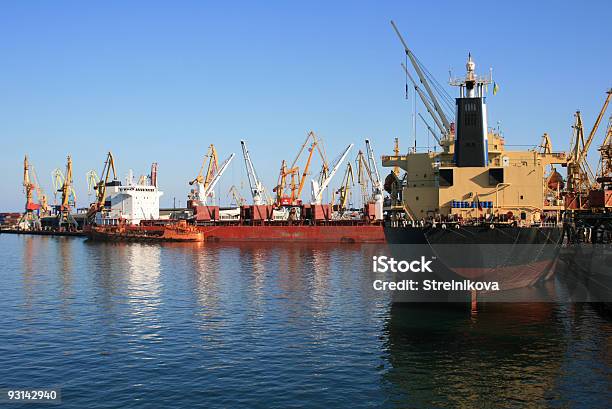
<point>297,182</point>
<point>30,219</point>
<point>100,188</point>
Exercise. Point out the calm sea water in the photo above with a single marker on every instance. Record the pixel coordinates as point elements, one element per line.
<point>274,326</point>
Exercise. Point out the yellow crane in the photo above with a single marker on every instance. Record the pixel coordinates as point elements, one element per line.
<point>211,163</point>
<point>202,181</point>
<point>344,192</point>
<point>100,188</point>
<point>64,184</point>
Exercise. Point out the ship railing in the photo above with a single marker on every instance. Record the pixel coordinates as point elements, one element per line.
<point>550,224</point>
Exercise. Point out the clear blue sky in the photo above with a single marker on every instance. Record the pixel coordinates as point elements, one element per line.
<point>159,81</point>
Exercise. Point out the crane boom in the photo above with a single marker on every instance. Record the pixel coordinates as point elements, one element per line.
<point>215,179</point>
<point>428,106</point>
<point>257,188</point>
<point>589,140</point>
<point>372,162</point>
<point>605,155</point>
<point>430,130</point>
<point>306,168</point>
<point>421,75</point>
<point>363,170</point>
<point>317,190</point>
<point>98,205</point>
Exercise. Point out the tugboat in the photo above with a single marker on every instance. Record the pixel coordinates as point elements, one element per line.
<point>120,230</point>
<point>482,212</point>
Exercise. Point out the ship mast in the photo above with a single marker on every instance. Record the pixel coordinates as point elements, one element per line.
<point>471,139</point>
<point>472,85</point>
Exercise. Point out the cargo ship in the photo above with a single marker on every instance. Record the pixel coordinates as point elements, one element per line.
<point>485,213</point>
<point>130,210</point>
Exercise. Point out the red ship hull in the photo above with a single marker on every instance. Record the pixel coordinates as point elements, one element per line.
<point>301,233</point>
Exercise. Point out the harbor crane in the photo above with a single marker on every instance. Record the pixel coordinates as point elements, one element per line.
<point>236,197</point>
<point>257,188</point>
<point>100,188</point>
<point>201,181</point>
<point>293,171</point>
<point>604,169</point>
<point>345,189</point>
<point>377,184</point>
<point>205,185</point>
<point>368,171</point>
<point>92,181</point>
<point>580,177</point>
<point>319,186</point>
<point>63,183</point>
<point>30,220</point>
<point>281,185</point>
<point>363,176</point>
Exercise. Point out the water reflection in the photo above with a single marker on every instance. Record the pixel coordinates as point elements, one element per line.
<point>65,256</point>
<point>254,261</point>
<point>519,353</point>
<point>143,290</point>
<point>206,267</point>
<point>30,245</point>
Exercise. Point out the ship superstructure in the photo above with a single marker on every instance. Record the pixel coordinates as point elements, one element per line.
<point>132,202</point>
<point>474,177</point>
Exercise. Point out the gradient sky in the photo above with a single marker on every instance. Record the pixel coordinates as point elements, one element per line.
<point>160,81</point>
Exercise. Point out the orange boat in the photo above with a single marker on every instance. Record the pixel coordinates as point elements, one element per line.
<point>121,231</point>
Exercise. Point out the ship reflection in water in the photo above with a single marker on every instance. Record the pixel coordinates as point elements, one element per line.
<point>509,354</point>
<point>277,325</point>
